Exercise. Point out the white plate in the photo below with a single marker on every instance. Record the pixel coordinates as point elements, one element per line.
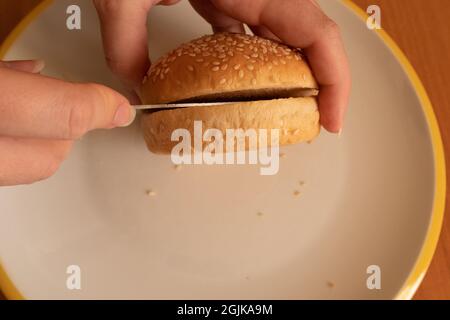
<point>372,197</point>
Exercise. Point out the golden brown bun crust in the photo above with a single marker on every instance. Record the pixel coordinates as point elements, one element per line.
<point>297,119</point>
<point>226,62</point>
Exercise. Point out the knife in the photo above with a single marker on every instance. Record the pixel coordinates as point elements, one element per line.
<point>179,105</point>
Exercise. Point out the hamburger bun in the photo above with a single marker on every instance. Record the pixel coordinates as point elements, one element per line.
<point>270,84</point>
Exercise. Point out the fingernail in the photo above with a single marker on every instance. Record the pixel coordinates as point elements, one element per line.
<point>39,65</point>
<point>124,116</point>
<point>339,134</point>
<point>33,66</point>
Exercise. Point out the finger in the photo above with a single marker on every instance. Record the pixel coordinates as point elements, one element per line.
<point>219,21</point>
<point>24,161</point>
<point>301,24</point>
<point>330,66</point>
<point>41,107</point>
<point>33,66</point>
<point>262,31</point>
<point>124,32</point>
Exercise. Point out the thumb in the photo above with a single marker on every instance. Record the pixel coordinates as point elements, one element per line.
<point>42,107</point>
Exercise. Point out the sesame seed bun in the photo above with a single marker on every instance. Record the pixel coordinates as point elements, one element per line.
<point>271,77</point>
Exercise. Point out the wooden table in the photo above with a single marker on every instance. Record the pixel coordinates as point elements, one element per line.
<point>421,29</point>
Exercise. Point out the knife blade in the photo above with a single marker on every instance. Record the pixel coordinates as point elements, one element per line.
<point>179,105</point>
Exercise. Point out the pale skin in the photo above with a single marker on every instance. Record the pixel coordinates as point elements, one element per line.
<point>41,117</point>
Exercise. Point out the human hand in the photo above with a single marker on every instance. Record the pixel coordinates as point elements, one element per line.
<point>40,118</point>
<point>300,24</point>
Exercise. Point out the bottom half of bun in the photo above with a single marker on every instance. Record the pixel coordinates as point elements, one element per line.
<point>297,120</point>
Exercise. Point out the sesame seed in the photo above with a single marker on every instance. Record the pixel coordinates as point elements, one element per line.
<point>236,67</point>
<point>241,45</point>
<point>190,68</point>
<point>166,71</point>
<point>216,63</point>
<point>304,76</point>
<point>222,56</point>
<point>223,81</point>
<point>246,57</point>
<point>215,69</point>
<point>250,67</point>
<point>158,71</point>
<point>240,49</point>
<point>241,73</point>
<point>283,61</point>
<point>255,55</point>
<point>200,60</point>
<point>161,76</point>
<point>254,82</point>
<point>206,54</point>
<point>230,53</point>
<point>224,67</point>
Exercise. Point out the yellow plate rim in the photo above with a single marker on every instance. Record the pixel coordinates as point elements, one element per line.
<point>429,246</point>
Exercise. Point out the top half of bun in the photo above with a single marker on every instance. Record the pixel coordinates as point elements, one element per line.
<point>226,64</point>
